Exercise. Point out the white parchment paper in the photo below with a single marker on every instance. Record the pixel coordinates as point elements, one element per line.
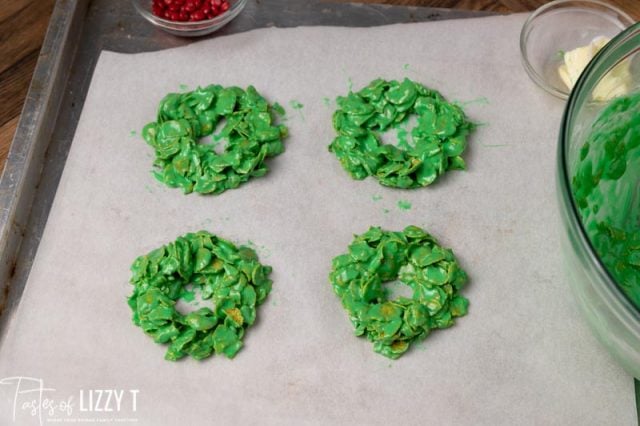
<point>522,355</point>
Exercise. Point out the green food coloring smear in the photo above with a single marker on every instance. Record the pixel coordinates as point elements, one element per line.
<point>607,191</point>
<point>478,101</point>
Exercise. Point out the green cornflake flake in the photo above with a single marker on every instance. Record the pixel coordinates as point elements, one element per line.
<point>181,161</point>
<point>412,257</point>
<point>404,205</point>
<point>438,139</point>
<point>376,197</point>
<point>230,277</point>
<point>188,296</point>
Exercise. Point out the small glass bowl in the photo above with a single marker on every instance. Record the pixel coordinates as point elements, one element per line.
<point>189,29</point>
<point>561,26</point>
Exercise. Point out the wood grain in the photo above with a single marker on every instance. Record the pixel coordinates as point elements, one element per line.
<point>23,24</point>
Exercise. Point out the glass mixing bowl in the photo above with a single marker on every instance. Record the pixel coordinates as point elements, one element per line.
<point>612,316</point>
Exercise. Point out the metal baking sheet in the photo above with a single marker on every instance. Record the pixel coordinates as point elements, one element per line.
<point>79,30</point>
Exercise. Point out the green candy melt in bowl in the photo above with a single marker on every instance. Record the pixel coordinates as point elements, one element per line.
<point>598,187</point>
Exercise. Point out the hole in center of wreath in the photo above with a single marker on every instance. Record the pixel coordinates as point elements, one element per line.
<point>191,300</point>
<point>216,140</point>
<point>400,134</point>
<point>396,288</point>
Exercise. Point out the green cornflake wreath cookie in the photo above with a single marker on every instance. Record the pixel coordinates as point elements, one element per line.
<point>438,140</point>
<point>415,258</point>
<point>231,277</point>
<point>184,118</point>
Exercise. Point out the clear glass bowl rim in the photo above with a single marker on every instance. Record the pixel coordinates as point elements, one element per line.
<point>630,312</point>
<point>533,74</point>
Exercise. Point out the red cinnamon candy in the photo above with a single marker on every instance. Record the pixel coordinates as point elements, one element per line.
<point>189,10</point>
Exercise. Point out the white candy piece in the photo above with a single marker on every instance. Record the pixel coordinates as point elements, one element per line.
<point>615,83</point>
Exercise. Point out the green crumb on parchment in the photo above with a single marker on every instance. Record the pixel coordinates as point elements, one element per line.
<point>404,205</point>
<point>376,197</point>
<point>385,211</point>
<point>326,101</point>
<point>405,66</point>
<point>133,133</point>
<point>295,104</point>
<point>183,86</point>
<point>278,109</point>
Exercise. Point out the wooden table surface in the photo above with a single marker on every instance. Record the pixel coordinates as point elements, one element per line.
<point>23,24</point>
